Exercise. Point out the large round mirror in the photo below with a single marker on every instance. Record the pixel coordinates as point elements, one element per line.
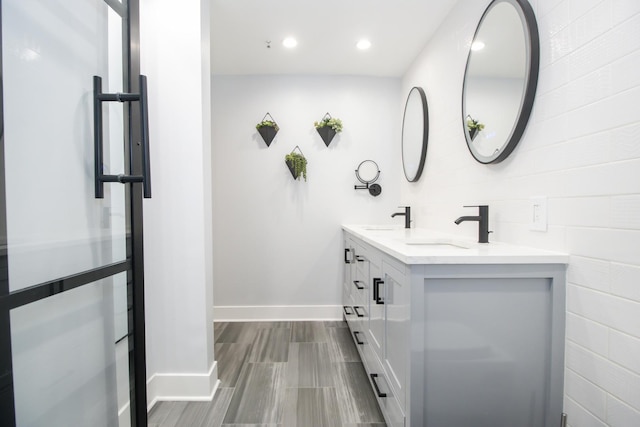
<point>500,80</point>
<point>415,134</point>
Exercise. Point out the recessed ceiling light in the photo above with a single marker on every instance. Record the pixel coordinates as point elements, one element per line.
<point>289,42</point>
<point>477,45</point>
<point>363,44</point>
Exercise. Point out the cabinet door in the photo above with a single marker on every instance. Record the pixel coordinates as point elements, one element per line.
<point>376,310</point>
<point>396,341</point>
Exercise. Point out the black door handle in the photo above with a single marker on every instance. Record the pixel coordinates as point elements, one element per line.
<point>376,290</point>
<point>98,99</point>
<point>375,385</point>
<point>346,256</point>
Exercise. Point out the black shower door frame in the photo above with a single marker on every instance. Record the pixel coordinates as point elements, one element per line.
<point>132,265</point>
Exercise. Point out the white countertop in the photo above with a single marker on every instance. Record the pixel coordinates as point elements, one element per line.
<point>422,246</point>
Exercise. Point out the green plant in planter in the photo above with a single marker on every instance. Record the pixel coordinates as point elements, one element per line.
<point>298,165</point>
<point>474,124</point>
<point>335,124</point>
<point>268,123</point>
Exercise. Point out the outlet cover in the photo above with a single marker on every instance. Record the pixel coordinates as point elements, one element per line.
<point>538,212</point>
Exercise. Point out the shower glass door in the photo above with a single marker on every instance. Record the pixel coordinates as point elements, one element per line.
<point>70,286</point>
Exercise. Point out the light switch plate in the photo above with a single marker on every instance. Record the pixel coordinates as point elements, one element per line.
<point>538,212</point>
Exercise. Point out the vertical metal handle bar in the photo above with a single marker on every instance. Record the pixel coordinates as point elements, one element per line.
<point>97,136</point>
<point>98,98</point>
<point>375,385</point>
<point>380,300</point>
<point>144,117</point>
<point>376,290</point>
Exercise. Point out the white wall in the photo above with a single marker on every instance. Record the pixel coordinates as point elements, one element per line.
<point>278,242</point>
<point>178,268</point>
<point>582,151</point>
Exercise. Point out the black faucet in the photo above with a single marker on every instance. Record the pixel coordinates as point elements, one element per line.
<point>483,222</point>
<point>406,214</point>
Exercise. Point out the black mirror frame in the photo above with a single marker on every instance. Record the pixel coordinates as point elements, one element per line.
<point>533,38</point>
<point>425,133</point>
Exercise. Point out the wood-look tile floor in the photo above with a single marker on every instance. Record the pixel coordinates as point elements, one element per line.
<point>284,374</point>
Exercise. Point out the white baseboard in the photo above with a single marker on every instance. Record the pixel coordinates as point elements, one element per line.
<point>270,313</point>
<point>182,387</point>
<point>124,415</point>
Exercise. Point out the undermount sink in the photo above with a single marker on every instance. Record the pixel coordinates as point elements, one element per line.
<point>380,227</point>
<point>435,243</point>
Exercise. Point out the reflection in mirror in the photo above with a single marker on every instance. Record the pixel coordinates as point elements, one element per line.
<point>500,79</point>
<point>415,134</point>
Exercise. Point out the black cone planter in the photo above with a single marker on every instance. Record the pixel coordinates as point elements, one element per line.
<point>267,133</point>
<point>327,134</point>
<point>291,169</point>
<point>472,133</point>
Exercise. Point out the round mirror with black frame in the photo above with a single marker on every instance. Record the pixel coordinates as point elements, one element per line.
<point>415,134</point>
<point>500,79</point>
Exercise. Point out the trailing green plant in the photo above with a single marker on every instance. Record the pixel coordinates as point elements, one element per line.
<point>268,123</point>
<point>298,163</point>
<point>474,124</point>
<point>335,124</point>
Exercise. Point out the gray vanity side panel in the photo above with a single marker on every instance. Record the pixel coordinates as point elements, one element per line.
<point>415,389</point>
<point>558,313</point>
<point>555,273</point>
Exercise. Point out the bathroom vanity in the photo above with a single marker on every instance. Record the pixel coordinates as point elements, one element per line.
<point>454,333</point>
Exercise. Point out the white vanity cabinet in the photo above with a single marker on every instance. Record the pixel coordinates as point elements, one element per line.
<point>458,336</point>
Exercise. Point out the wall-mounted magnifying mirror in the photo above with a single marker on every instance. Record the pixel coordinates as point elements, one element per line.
<point>368,173</point>
<point>500,79</point>
<point>415,134</point>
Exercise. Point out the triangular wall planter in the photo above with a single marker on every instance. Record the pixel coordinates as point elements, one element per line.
<point>327,134</point>
<point>267,133</point>
<point>291,164</point>
<point>291,169</point>
<point>473,133</point>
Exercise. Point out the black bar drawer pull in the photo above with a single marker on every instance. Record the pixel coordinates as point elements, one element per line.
<point>356,284</point>
<point>347,312</point>
<point>346,256</point>
<point>355,336</point>
<point>376,290</point>
<point>98,99</point>
<point>375,385</point>
<point>355,308</point>
<point>360,258</point>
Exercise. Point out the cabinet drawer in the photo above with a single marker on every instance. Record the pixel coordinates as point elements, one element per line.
<point>389,405</point>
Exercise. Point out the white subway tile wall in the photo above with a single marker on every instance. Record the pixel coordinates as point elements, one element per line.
<point>582,151</point>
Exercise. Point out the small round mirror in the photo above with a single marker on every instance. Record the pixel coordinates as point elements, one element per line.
<point>415,134</point>
<point>368,172</point>
<point>500,80</point>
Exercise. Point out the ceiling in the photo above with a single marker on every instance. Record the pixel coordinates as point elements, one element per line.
<point>327,32</point>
